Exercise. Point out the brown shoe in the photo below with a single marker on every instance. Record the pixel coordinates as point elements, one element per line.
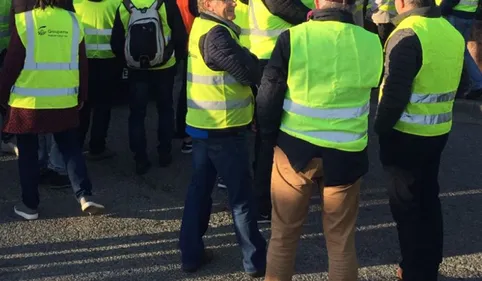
<point>400,273</point>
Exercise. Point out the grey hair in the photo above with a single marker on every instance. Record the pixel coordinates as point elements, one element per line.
<point>335,5</point>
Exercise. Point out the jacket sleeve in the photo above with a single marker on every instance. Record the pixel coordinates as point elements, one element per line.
<point>193,8</point>
<point>118,38</point>
<point>179,33</point>
<point>83,73</point>
<point>447,5</point>
<point>272,92</point>
<point>12,65</point>
<point>292,11</point>
<point>403,61</point>
<point>221,52</point>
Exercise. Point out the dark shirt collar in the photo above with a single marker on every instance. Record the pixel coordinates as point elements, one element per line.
<point>215,18</point>
<point>428,12</point>
<point>332,14</point>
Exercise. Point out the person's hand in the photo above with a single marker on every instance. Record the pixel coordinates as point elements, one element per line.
<point>253,126</point>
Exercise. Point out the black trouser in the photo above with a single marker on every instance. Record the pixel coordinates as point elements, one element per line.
<point>142,85</point>
<point>182,103</point>
<point>413,166</point>
<point>103,74</point>
<point>29,168</point>
<point>263,155</point>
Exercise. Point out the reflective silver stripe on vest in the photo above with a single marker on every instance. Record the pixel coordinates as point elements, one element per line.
<point>426,119</point>
<point>5,33</point>
<point>30,63</point>
<point>98,47</point>
<point>93,31</point>
<point>258,31</point>
<point>432,98</point>
<point>219,105</point>
<point>211,80</point>
<point>36,92</point>
<point>333,136</point>
<point>469,2</point>
<point>329,113</point>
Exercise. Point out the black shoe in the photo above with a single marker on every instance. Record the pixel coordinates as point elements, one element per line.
<point>257,274</point>
<point>142,166</point>
<point>53,179</point>
<point>165,161</point>
<point>206,259</point>
<point>186,147</point>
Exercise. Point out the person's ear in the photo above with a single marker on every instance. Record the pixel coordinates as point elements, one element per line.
<point>207,4</point>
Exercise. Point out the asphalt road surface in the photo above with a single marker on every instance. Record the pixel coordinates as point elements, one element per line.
<point>137,238</point>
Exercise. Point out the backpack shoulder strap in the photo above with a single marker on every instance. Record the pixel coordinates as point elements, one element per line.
<point>129,5</point>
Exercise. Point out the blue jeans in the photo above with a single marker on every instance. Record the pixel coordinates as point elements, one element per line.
<point>49,155</point>
<point>68,145</point>
<point>228,157</point>
<point>464,26</point>
<point>158,84</point>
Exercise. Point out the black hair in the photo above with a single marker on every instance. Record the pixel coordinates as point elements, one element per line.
<point>422,3</point>
<point>64,4</point>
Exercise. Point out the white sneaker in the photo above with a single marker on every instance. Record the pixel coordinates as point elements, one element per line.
<point>25,212</point>
<point>89,206</point>
<point>9,148</point>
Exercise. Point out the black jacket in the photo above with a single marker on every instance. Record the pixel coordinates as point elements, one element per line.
<point>403,60</point>
<point>179,37</point>
<point>222,53</point>
<point>292,11</point>
<point>339,167</point>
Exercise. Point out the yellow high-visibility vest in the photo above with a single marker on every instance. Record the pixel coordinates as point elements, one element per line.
<point>50,75</point>
<point>124,15</point>
<point>429,112</point>
<point>98,20</point>
<point>328,98</point>
<point>215,100</point>
<point>242,20</point>
<point>264,28</point>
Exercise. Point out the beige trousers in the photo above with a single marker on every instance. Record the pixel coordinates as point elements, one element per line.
<point>290,196</point>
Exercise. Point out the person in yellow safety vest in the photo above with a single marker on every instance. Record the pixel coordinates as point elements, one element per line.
<point>5,6</point>
<point>220,106</point>
<point>423,71</point>
<point>162,38</point>
<point>381,12</point>
<point>45,87</point>
<point>461,14</point>
<point>267,20</point>
<point>97,16</point>
<point>312,107</point>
